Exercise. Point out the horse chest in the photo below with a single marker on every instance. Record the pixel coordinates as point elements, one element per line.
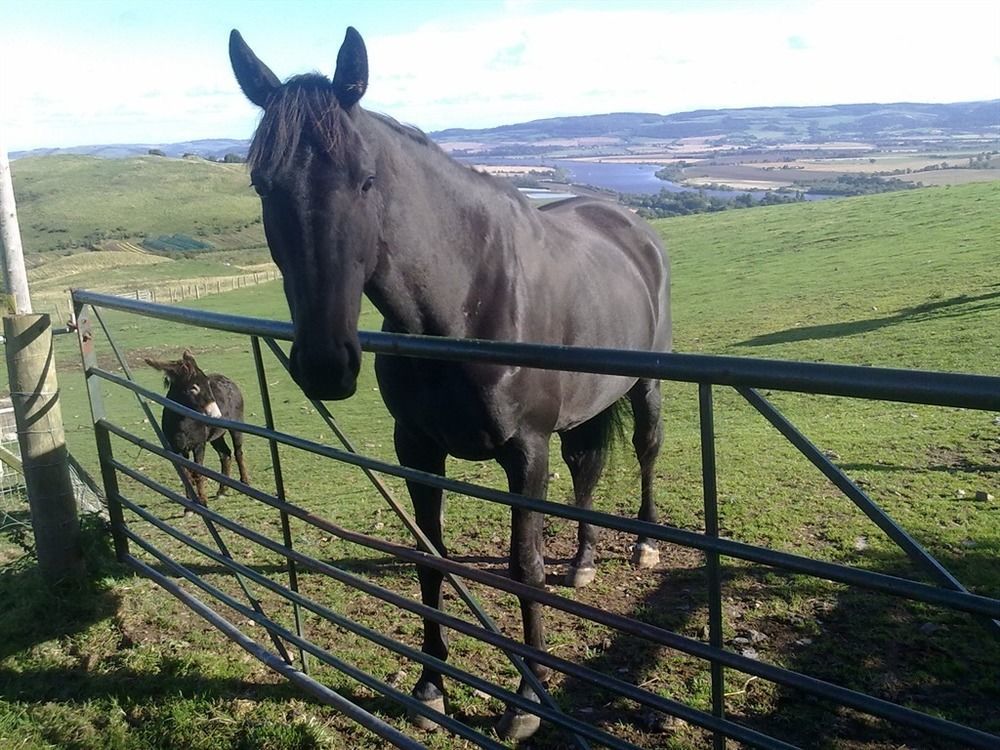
<point>453,405</point>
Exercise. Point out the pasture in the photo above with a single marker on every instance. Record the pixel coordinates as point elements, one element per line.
<point>900,280</point>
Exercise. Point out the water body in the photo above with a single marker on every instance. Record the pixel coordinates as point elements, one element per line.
<point>622,178</point>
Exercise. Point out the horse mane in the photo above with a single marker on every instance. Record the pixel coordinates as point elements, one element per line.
<point>305,107</point>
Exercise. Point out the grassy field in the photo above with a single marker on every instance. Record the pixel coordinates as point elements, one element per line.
<point>902,280</point>
<point>59,209</point>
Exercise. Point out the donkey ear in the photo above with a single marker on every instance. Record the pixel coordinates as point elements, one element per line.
<point>254,77</point>
<point>350,81</point>
<point>157,365</point>
<point>188,358</point>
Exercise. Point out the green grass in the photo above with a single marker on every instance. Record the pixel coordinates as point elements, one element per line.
<point>903,280</point>
<point>70,202</point>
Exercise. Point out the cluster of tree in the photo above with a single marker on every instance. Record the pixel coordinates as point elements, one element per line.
<point>664,204</point>
<point>227,159</point>
<point>859,184</point>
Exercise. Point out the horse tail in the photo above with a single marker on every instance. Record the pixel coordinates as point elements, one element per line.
<point>616,425</point>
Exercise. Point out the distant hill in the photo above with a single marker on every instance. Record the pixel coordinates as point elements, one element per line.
<point>207,148</point>
<point>881,125</point>
<point>877,124</point>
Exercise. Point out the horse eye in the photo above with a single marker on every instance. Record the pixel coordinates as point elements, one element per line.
<point>261,185</point>
<point>369,181</point>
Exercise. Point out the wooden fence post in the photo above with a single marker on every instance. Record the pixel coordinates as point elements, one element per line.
<point>34,392</point>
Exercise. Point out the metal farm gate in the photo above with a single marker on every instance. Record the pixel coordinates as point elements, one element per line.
<point>130,520</point>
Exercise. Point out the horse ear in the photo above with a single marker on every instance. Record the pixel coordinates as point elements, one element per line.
<point>254,77</point>
<point>350,81</point>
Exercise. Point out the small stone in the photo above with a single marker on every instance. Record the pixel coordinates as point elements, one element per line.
<point>750,653</point>
<point>396,678</point>
<point>804,642</point>
<point>585,710</point>
<point>660,723</point>
<point>983,495</point>
<point>756,636</point>
<point>741,640</point>
<point>861,543</point>
<point>554,476</point>
<point>930,628</point>
<point>968,543</point>
<point>482,694</point>
<point>960,494</point>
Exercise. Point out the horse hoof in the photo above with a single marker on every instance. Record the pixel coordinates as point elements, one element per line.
<point>517,725</point>
<point>577,578</point>
<point>645,556</point>
<point>425,722</point>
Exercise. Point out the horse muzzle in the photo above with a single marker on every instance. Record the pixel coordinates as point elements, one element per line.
<point>327,374</point>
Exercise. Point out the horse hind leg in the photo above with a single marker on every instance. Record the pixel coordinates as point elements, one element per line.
<point>225,459</point>
<point>584,449</point>
<point>646,439</point>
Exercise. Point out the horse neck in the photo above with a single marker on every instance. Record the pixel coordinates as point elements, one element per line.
<point>445,228</point>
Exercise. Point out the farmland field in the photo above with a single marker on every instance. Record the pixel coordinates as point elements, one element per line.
<point>902,280</point>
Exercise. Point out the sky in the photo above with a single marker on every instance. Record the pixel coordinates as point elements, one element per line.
<point>80,72</point>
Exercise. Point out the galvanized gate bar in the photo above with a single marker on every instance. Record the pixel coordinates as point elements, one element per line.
<point>945,389</point>
<point>424,543</point>
<point>899,587</point>
<point>554,716</point>
<point>317,690</point>
<point>85,335</point>
<point>710,491</point>
<point>279,486</point>
<point>913,549</point>
<point>625,689</point>
<point>880,383</point>
<point>834,693</point>
<point>342,666</point>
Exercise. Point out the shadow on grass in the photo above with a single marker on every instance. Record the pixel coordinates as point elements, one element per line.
<point>933,660</point>
<point>953,307</point>
<point>34,612</point>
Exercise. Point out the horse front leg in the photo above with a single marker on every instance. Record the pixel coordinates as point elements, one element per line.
<point>526,463</point>
<point>428,507</point>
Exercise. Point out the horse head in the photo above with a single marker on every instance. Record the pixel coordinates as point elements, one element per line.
<point>312,166</point>
<point>187,384</point>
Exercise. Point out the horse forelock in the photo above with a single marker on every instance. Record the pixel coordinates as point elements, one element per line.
<point>304,108</point>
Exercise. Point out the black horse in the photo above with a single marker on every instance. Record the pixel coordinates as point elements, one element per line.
<point>214,395</point>
<point>355,203</point>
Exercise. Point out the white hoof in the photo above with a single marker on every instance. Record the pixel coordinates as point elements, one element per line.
<point>577,578</point>
<point>645,556</point>
<point>424,722</point>
<point>516,725</point>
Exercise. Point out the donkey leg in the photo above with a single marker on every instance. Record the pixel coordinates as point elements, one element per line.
<point>526,464</point>
<point>428,508</point>
<point>225,459</point>
<point>198,477</point>
<point>584,450</point>
<point>237,437</point>
<point>647,438</point>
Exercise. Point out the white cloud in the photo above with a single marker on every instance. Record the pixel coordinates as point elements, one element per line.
<point>530,62</point>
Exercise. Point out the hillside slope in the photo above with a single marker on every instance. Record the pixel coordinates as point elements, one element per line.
<point>903,279</point>
<point>71,202</point>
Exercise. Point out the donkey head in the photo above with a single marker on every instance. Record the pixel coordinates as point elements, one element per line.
<point>187,384</point>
